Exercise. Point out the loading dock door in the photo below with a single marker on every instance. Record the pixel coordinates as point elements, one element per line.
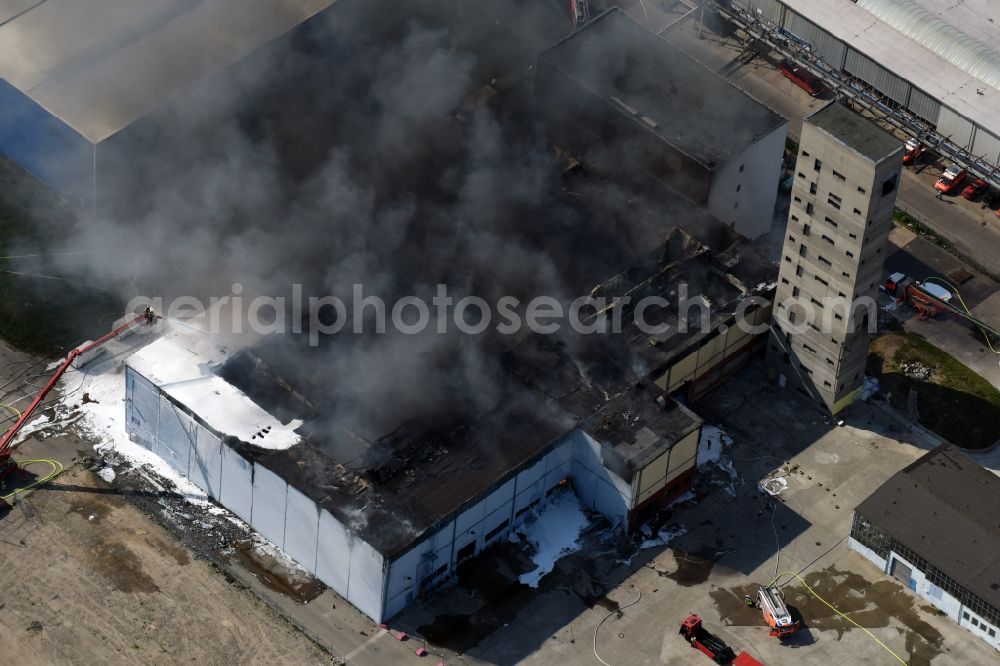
<point>901,572</point>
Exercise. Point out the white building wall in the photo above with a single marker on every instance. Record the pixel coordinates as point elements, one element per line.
<point>270,495</point>
<point>918,583</point>
<point>529,487</point>
<point>980,627</point>
<point>177,432</point>
<point>598,488</point>
<point>142,406</point>
<point>283,515</point>
<point>317,540</point>
<point>937,597</point>
<point>868,553</point>
<point>237,476</point>
<point>559,463</point>
<point>744,189</point>
<point>404,577</point>
<point>333,553</point>
<point>301,529</point>
<point>366,580</point>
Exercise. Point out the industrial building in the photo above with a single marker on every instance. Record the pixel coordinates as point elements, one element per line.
<point>843,194</point>
<point>385,514</point>
<point>628,103</point>
<point>386,517</point>
<point>713,330</point>
<point>933,526</point>
<point>394,519</point>
<point>939,62</point>
<point>76,77</point>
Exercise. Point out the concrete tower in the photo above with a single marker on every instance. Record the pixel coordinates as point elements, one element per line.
<point>846,179</point>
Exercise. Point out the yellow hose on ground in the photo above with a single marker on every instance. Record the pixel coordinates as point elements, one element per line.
<point>831,607</point>
<point>11,408</point>
<point>965,307</point>
<point>57,469</point>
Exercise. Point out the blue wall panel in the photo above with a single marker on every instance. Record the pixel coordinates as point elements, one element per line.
<point>45,146</point>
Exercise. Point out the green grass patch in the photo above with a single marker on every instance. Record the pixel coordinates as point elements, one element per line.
<point>955,402</point>
<point>917,227</point>
<point>42,315</point>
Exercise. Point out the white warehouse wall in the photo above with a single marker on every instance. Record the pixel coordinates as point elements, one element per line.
<point>286,517</point>
<point>940,599</point>
<point>333,553</point>
<point>926,589</point>
<point>237,477</point>
<point>318,541</point>
<point>301,529</point>
<point>270,496</point>
<point>745,198</point>
<point>867,553</point>
<point>598,488</point>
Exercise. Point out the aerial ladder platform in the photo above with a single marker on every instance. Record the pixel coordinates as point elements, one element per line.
<point>7,464</point>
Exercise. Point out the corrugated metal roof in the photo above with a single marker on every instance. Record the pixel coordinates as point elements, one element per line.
<point>940,36</point>
<point>906,58</point>
<point>946,508</point>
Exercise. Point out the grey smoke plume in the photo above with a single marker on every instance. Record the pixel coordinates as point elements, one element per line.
<point>334,157</point>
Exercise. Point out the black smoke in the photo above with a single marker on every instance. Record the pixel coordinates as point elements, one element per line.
<point>337,156</point>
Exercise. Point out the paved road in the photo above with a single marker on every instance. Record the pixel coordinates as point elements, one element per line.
<point>973,230</point>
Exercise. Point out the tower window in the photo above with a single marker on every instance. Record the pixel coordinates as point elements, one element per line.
<point>889,184</point>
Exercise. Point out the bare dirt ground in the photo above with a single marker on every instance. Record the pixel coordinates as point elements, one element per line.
<point>89,579</point>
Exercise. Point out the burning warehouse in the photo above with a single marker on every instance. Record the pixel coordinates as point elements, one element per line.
<point>381,462</point>
<point>385,516</point>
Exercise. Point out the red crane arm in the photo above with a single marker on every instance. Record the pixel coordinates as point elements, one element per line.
<point>148,317</point>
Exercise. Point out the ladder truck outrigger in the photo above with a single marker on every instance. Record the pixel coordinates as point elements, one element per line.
<point>930,300</point>
<point>7,464</point>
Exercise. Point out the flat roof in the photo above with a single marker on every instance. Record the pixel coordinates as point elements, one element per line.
<point>946,508</point>
<point>906,58</point>
<point>181,361</point>
<point>662,88</point>
<point>99,65</point>
<point>859,134</point>
<point>638,429</point>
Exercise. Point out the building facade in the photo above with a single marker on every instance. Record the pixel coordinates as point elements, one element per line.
<point>843,195</point>
<point>933,527</point>
<point>631,106</point>
<point>382,543</point>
